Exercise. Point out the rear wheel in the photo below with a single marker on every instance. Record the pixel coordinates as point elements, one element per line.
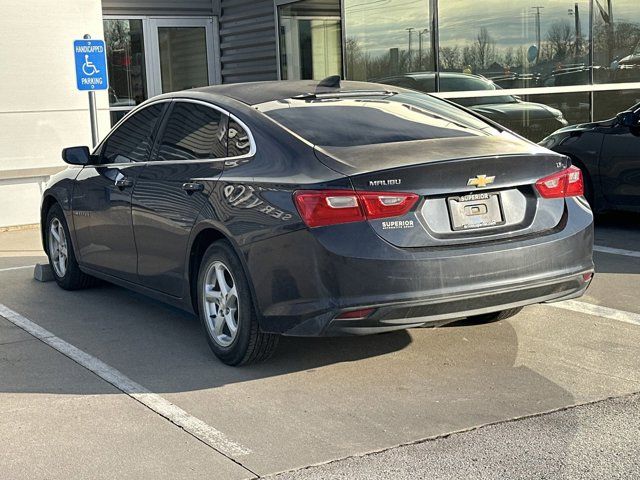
<point>62,259</point>
<point>495,316</point>
<point>226,309</point>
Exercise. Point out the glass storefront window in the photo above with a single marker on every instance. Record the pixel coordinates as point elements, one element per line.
<point>310,40</point>
<point>183,58</point>
<point>518,44</point>
<point>608,104</point>
<point>616,40</point>
<point>387,40</point>
<point>125,62</point>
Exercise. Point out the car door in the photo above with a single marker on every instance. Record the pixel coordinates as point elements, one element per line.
<point>102,195</point>
<point>620,166</point>
<point>173,188</point>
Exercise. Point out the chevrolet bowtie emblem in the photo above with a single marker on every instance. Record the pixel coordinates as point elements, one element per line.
<point>480,181</point>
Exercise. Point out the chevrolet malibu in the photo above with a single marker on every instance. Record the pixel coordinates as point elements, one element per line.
<point>305,208</point>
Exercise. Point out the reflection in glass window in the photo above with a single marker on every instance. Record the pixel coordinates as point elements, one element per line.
<point>192,132</point>
<point>616,40</point>
<point>608,104</point>
<point>183,58</point>
<point>387,39</point>
<point>125,62</point>
<point>238,140</point>
<point>310,40</point>
<point>536,116</point>
<point>346,122</point>
<point>522,43</point>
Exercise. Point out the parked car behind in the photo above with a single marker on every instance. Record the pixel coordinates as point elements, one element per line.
<point>608,153</point>
<point>529,119</point>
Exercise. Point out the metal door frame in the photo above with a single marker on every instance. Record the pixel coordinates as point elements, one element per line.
<point>211,42</point>
<point>150,26</point>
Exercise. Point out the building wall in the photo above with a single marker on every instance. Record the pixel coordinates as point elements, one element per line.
<point>248,41</point>
<point>40,109</point>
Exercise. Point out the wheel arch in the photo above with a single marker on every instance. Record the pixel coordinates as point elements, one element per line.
<point>48,201</point>
<point>206,235</point>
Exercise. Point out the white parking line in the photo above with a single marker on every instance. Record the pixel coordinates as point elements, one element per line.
<point>598,311</point>
<point>616,251</point>
<point>15,268</point>
<point>196,427</point>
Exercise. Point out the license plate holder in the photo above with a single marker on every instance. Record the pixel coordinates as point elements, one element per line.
<point>475,210</point>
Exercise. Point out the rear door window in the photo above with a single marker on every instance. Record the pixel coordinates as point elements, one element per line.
<point>193,132</point>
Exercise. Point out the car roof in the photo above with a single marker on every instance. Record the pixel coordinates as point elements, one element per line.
<point>253,93</point>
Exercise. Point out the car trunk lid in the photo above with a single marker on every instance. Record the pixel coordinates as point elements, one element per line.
<point>471,190</point>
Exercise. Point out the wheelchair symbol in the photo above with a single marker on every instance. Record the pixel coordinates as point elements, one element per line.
<point>88,68</point>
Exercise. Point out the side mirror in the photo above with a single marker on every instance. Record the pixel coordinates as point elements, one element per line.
<point>76,155</point>
<point>628,119</point>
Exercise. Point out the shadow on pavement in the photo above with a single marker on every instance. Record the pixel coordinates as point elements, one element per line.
<point>163,349</point>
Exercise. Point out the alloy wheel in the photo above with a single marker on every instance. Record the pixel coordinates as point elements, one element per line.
<point>221,306</point>
<point>58,247</point>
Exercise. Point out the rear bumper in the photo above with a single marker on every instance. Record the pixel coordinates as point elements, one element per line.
<point>303,280</point>
<point>439,310</point>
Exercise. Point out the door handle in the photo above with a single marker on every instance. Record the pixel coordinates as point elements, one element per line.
<point>123,182</point>
<point>191,187</point>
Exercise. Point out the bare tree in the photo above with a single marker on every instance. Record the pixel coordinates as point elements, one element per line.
<point>560,38</point>
<point>510,57</point>
<point>484,48</point>
<point>450,58</point>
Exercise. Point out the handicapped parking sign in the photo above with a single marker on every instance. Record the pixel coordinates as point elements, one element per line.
<point>91,64</point>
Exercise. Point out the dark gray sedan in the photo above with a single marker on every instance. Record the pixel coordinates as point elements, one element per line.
<point>300,208</point>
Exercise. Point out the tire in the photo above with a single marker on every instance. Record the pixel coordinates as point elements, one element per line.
<point>495,316</point>
<point>62,258</point>
<point>220,313</point>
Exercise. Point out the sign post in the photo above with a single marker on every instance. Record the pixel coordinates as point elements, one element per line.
<point>91,74</point>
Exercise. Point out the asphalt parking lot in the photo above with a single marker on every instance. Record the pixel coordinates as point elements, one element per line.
<point>111,384</point>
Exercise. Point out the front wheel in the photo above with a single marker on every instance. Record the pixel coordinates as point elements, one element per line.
<point>226,309</point>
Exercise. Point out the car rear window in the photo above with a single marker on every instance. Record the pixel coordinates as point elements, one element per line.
<point>347,121</point>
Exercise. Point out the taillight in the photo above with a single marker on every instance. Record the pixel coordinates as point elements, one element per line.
<point>330,207</point>
<point>566,183</point>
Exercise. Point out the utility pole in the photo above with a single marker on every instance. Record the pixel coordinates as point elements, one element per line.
<point>612,38</point>
<point>575,13</point>
<point>410,30</point>
<point>420,34</point>
<point>538,35</point>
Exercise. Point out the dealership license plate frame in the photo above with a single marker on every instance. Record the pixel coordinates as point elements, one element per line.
<point>462,208</point>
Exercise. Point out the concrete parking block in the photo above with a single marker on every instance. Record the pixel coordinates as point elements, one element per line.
<point>42,272</point>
